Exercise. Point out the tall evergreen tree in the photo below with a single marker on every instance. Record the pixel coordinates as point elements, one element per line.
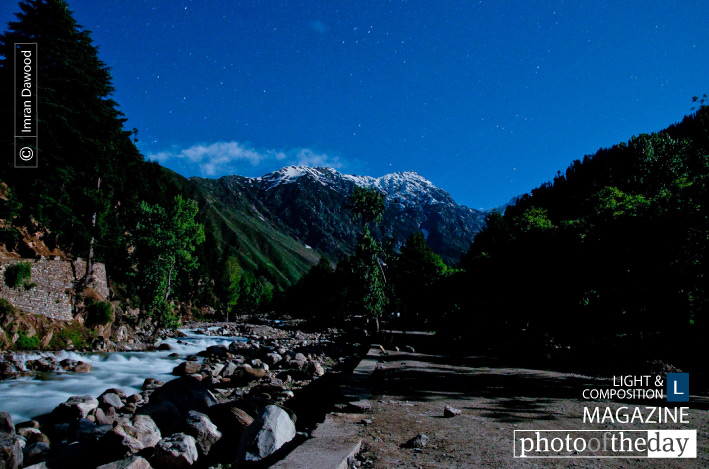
<point>85,157</point>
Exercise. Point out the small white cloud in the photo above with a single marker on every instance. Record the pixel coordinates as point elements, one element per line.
<point>225,158</point>
<point>307,157</point>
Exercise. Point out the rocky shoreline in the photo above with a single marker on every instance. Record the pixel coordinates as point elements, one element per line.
<point>228,406</point>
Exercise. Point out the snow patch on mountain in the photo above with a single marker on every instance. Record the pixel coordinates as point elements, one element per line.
<point>406,188</point>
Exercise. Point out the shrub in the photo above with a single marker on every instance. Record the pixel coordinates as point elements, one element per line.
<point>100,313</point>
<point>26,343</point>
<point>6,308</point>
<point>74,333</point>
<point>17,274</point>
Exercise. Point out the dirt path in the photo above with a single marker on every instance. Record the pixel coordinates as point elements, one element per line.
<point>409,395</point>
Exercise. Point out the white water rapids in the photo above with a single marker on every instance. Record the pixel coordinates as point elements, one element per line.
<point>28,397</point>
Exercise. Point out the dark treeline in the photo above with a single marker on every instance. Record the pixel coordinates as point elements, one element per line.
<point>93,195</point>
<point>610,256</point>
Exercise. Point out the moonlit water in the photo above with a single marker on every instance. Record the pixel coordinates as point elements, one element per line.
<point>29,397</point>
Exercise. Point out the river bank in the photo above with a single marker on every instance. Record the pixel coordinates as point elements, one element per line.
<point>228,373</point>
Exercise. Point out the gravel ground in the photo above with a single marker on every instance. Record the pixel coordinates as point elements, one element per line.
<point>411,390</point>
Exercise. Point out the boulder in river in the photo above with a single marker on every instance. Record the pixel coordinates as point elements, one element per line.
<point>83,367</point>
<point>75,407</point>
<point>7,371</point>
<point>187,368</point>
<point>151,384</point>
<point>110,399</point>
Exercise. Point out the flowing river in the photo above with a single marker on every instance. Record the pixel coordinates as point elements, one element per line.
<point>25,398</point>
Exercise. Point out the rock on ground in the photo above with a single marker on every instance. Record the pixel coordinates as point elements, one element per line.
<point>230,419</point>
<point>419,441</point>
<point>270,431</point>
<point>450,411</point>
<point>203,430</point>
<point>177,451</point>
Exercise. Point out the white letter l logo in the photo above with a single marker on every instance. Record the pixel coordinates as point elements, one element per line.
<point>676,391</point>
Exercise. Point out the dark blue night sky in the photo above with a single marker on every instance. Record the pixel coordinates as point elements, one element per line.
<point>486,99</point>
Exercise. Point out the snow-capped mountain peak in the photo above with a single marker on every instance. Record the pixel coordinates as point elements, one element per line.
<point>311,204</point>
<point>407,187</point>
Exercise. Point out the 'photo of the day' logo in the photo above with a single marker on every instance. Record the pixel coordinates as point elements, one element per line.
<point>627,441</point>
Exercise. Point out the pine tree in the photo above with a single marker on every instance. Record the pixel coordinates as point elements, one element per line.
<point>85,156</point>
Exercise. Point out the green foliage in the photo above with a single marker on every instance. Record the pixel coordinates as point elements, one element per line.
<point>369,289</point>
<point>253,294</point>
<point>73,334</point>
<point>6,309</point>
<point>228,286</point>
<point>18,274</point>
<point>611,202</point>
<point>534,219</point>
<point>100,313</point>
<point>414,275</point>
<point>367,204</point>
<point>165,241</point>
<point>26,343</point>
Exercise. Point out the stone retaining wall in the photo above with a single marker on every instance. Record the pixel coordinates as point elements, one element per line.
<point>53,278</point>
